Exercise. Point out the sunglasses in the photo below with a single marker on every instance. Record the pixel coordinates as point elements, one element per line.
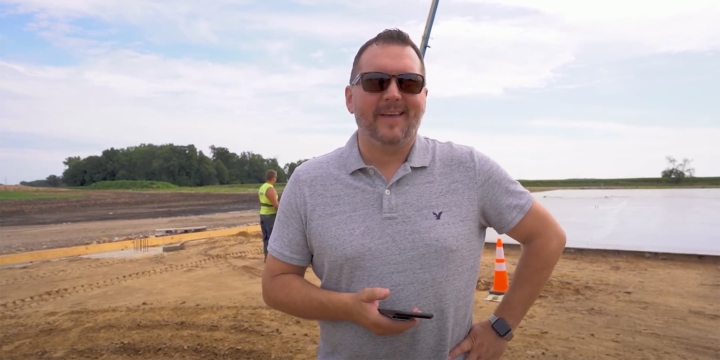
<point>377,82</point>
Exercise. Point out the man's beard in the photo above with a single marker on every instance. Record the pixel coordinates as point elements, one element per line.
<point>371,129</point>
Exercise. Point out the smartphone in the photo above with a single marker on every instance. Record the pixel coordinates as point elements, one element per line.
<point>404,315</point>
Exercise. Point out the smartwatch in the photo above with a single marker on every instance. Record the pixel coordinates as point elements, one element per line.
<point>501,327</point>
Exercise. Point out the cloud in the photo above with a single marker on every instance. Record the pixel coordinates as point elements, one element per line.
<point>126,98</point>
<point>269,77</point>
<point>632,27</point>
<point>574,149</point>
<point>609,10</point>
<point>471,58</point>
<point>126,89</point>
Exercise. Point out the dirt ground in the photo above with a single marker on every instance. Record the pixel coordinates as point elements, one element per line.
<point>120,205</point>
<point>15,239</point>
<point>95,205</point>
<point>205,303</point>
<point>27,225</point>
<point>37,224</point>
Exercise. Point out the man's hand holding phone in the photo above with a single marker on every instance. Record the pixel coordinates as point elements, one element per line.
<point>364,311</point>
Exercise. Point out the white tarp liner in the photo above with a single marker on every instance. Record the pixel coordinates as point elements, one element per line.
<point>682,221</point>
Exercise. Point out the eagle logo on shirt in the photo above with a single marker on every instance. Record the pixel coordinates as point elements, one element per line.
<point>437,215</point>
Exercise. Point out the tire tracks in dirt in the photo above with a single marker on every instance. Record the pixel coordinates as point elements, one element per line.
<point>201,249</point>
<point>247,269</point>
<point>42,275</point>
<point>109,333</point>
<point>37,299</point>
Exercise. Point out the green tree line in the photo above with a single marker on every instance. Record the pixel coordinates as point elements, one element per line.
<point>182,165</point>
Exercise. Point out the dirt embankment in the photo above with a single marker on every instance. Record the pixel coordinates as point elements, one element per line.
<point>27,225</point>
<point>120,205</point>
<point>14,239</point>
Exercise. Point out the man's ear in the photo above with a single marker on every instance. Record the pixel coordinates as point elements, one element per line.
<point>348,99</point>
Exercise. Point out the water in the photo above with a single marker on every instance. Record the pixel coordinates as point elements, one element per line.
<point>681,221</point>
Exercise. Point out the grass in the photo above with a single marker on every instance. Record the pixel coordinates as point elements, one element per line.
<point>533,185</point>
<point>161,186</point>
<point>35,195</point>
<point>131,185</point>
<point>233,188</point>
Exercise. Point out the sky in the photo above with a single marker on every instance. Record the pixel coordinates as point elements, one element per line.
<point>549,89</point>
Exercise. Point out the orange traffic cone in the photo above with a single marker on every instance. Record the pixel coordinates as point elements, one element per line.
<point>501,283</point>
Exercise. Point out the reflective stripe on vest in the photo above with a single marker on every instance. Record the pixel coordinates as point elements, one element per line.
<point>266,207</point>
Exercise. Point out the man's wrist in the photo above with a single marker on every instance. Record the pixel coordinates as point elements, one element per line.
<point>511,321</point>
<point>507,310</point>
<point>344,303</point>
<point>501,327</point>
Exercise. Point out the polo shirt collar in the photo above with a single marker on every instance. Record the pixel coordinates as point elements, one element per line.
<point>419,154</point>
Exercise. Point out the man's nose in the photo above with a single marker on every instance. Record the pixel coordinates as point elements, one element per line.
<point>392,92</point>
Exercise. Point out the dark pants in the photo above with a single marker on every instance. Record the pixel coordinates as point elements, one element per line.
<point>267,222</point>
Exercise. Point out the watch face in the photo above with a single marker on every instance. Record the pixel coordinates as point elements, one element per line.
<point>501,327</point>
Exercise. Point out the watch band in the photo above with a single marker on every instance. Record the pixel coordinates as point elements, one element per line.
<point>498,324</point>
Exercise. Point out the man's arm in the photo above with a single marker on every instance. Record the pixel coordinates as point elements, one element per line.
<point>543,241</point>
<point>509,208</point>
<point>271,194</point>
<point>285,288</point>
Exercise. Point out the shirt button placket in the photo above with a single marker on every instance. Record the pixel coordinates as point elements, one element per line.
<point>388,208</point>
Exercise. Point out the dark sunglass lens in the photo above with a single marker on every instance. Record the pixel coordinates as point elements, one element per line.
<point>375,82</point>
<point>410,83</point>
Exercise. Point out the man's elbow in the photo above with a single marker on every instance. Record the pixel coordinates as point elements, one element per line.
<point>560,238</point>
<point>266,283</point>
<point>555,240</point>
<point>267,290</point>
<point>552,240</point>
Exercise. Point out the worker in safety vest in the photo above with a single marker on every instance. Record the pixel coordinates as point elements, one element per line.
<point>268,207</point>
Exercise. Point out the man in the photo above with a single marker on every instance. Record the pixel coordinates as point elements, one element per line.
<point>268,207</point>
<point>396,220</point>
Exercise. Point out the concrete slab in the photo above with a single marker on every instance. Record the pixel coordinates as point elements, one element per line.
<point>183,230</point>
<point>173,247</point>
<point>680,221</point>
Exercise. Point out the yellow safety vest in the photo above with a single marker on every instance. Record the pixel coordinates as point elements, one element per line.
<point>266,207</point>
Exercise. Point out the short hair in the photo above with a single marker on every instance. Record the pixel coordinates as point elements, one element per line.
<point>387,37</point>
<point>270,174</point>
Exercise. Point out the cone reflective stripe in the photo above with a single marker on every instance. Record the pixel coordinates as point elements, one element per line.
<point>501,283</point>
<point>499,252</point>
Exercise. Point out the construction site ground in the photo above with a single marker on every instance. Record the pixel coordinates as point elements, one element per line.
<point>205,302</point>
<point>101,216</point>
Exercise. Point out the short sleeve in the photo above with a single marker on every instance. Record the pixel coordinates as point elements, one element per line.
<point>288,240</point>
<point>502,200</point>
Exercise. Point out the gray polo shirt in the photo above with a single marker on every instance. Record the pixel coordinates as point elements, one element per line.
<point>421,235</point>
